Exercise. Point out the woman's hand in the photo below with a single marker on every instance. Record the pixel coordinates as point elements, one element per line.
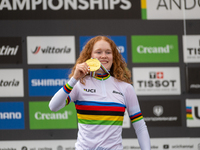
<point>81,70</point>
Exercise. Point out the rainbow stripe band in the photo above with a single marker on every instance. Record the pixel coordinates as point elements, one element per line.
<point>67,88</point>
<point>100,113</point>
<point>68,100</point>
<point>189,113</point>
<point>136,117</point>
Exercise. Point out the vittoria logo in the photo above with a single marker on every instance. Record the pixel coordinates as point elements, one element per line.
<point>13,82</point>
<point>90,90</point>
<point>41,49</point>
<point>50,49</point>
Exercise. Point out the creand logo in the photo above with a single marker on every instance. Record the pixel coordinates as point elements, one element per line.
<point>171,9</point>
<point>142,49</point>
<point>65,4</point>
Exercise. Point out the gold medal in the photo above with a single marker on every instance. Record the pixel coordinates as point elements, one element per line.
<point>94,64</point>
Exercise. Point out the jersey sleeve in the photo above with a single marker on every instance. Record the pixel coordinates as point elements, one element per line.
<point>136,118</point>
<point>62,96</point>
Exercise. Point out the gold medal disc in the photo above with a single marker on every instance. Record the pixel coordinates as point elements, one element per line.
<point>94,64</point>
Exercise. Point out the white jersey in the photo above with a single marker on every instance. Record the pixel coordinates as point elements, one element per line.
<point>100,105</point>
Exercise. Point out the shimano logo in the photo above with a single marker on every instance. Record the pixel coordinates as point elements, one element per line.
<point>9,83</point>
<point>7,50</point>
<point>48,82</point>
<point>10,115</point>
<point>90,90</point>
<point>51,50</point>
<point>117,93</point>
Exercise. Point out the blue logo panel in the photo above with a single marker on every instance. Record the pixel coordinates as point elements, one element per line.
<point>11,115</point>
<point>120,41</point>
<point>46,82</point>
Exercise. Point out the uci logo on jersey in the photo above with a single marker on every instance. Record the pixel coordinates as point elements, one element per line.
<point>90,90</point>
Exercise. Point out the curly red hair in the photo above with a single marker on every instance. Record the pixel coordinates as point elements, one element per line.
<point>119,68</point>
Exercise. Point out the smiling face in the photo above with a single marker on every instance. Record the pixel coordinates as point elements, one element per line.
<point>103,52</point>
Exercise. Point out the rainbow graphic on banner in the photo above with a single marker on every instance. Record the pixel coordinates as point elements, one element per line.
<point>144,9</point>
<point>189,113</point>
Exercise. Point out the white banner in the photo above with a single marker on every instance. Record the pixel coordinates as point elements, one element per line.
<point>191,48</point>
<point>51,49</point>
<point>128,144</point>
<point>193,112</point>
<point>11,83</point>
<point>156,80</point>
<point>173,9</point>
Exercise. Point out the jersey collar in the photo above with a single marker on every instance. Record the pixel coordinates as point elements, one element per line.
<point>99,76</point>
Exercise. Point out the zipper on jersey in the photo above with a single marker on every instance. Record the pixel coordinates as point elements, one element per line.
<point>103,87</point>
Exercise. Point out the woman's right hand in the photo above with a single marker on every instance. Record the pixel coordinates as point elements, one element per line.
<point>81,70</point>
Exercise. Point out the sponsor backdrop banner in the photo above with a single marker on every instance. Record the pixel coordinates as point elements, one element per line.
<point>161,113</point>
<point>156,80</point>
<point>128,144</point>
<point>41,117</point>
<point>70,9</point>
<point>171,9</point>
<point>156,48</point>
<point>11,83</point>
<point>12,115</point>
<point>51,49</point>
<point>120,41</point>
<point>46,82</point>
<point>193,112</point>
<point>10,50</point>
<point>191,48</point>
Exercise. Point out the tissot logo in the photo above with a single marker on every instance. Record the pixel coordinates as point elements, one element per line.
<point>50,50</point>
<point>191,48</point>
<point>193,112</point>
<point>156,75</point>
<point>156,81</point>
<point>90,90</point>
<point>62,9</point>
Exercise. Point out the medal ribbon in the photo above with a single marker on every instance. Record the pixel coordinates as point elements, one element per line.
<point>92,73</point>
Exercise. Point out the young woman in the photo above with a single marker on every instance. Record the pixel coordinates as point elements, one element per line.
<point>101,98</point>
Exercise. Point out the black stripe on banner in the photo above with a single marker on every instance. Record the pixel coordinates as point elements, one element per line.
<point>111,113</point>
